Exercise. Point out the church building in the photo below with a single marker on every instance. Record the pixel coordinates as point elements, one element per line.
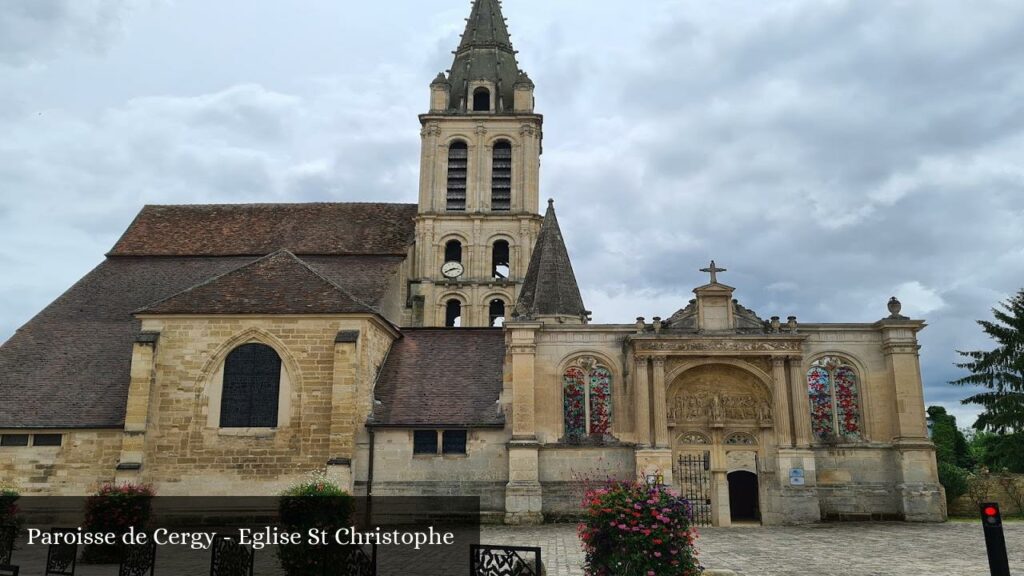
<point>443,348</point>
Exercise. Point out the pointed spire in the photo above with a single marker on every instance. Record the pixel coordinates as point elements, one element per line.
<point>485,53</point>
<point>550,287</point>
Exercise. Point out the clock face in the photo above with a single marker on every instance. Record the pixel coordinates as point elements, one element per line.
<point>452,269</point>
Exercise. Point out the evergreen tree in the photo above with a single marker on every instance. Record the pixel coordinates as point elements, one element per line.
<point>1000,371</point>
<point>950,443</point>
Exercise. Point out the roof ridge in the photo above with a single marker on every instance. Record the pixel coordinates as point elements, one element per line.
<point>256,262</point>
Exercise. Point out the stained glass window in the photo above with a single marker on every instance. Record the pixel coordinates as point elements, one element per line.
<point>587,401</point>
<point>833,388</point>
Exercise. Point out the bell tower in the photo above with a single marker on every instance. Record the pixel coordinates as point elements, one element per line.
<point>479,197</point>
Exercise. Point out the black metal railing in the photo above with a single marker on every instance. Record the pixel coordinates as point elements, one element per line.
<point>504,561</point>
<point>61,558</point>
<point>692,474</point>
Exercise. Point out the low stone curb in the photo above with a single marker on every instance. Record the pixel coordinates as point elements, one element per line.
<point>719,573</point>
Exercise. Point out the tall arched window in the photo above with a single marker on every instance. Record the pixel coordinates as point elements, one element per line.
<point>501,177</point>
<point>833,388</point>
<point>453,251</point>
<point>453,314</point>
<point>500,258</point>
<point>481,100</point>
<point>252,384</point>
<point>587,400</point>
<point>458,166</point>
<point>496,311</point>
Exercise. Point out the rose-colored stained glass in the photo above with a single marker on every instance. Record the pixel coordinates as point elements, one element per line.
<point>820,390</point>
<point>600,401</point>
<point>574,403</point>
<point>847,404</point>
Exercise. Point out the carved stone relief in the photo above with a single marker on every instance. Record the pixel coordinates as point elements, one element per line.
<point>717,393</point>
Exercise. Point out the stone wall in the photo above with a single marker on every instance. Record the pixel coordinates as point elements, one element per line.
<point>185,452</point>
<point>965,506</point>
<point>85,460</point>
<point>482,471</point>
<point>566,474</point>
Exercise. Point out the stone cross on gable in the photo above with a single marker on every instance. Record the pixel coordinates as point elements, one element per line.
<point>713,270</point>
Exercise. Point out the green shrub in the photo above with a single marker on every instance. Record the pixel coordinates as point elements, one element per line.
<point>9,512</point>
<point>954,480</point>
<point>635,529</point>
<point>115,508</point>
<point>316,503</point>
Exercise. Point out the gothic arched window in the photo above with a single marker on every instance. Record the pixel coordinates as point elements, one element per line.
<point>833,388</point>
<point>481,100</point>
<point>252,384</point>
<point>458,167</point>
<point>587,400</point>
<point>501,177</point>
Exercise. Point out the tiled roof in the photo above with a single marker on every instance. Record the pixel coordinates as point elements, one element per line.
<point>279,283</point>
<point>259,229</point>
<point>442,377</point>
<point>550,287</point>
<point>69,366</point>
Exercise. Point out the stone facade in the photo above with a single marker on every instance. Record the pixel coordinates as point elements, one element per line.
<point>713,401</point>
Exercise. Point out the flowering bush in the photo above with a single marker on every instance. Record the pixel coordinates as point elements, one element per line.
<point>314,503</point>
<point>633,529</point>
<point>115,508</point>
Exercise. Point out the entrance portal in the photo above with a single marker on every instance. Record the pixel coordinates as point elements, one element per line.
<point>743,501</point>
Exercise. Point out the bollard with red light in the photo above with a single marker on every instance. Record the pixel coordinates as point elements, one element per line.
<point>995,543</point>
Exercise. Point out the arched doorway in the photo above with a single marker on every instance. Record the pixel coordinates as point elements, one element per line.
<point>743,498</point>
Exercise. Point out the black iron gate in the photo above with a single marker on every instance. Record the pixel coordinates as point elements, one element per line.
<point>692,474</point>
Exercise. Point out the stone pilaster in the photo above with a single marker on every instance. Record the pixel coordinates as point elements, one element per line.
<point>642,399</point>
<point>136,418</point>
<point>800,402</point>
<point>660,406</point>
<point>523,503</point>
<point>343,409</point>
<point>922,497</point>
<point>780,398</point>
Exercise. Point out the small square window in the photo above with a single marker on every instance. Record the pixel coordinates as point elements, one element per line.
<point>424,442</point>
<point>14,440</point>
<point>46,440</point>
<point>454,441</point>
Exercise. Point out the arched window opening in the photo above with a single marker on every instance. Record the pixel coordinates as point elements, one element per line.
<point>833,389</point>
<point>500,258</point>
<point>587,401</point>
<point>453,251</point>
<point>252,384</point>
<point>501,177</point>
<point>740,439</point>
<point>458,166</point>
<point>497,313</point>
<point>481,100</point>
<point>453,314</point>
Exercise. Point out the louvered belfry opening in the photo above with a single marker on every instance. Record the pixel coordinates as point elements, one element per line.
<point>500,269</point>
<point>252,383</point>
<point>501,177</point>
<point>458,167</point>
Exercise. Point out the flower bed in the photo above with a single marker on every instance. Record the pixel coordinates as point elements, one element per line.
<point>633,529</point>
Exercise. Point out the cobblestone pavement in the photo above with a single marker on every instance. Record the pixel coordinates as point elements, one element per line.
<point>878,549</point>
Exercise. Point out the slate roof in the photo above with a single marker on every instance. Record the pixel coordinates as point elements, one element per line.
<point>485,53</point>
<point>550,287</point>
<point>279,283</point>
<point>337,229</point>
<point>436,378</point>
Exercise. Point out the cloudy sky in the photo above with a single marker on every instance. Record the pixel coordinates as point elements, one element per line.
<point>829,153</point>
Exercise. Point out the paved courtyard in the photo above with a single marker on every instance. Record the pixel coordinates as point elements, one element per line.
<point>878,549</point>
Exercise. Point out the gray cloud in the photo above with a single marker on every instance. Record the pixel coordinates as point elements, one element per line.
<point>830,154</point>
